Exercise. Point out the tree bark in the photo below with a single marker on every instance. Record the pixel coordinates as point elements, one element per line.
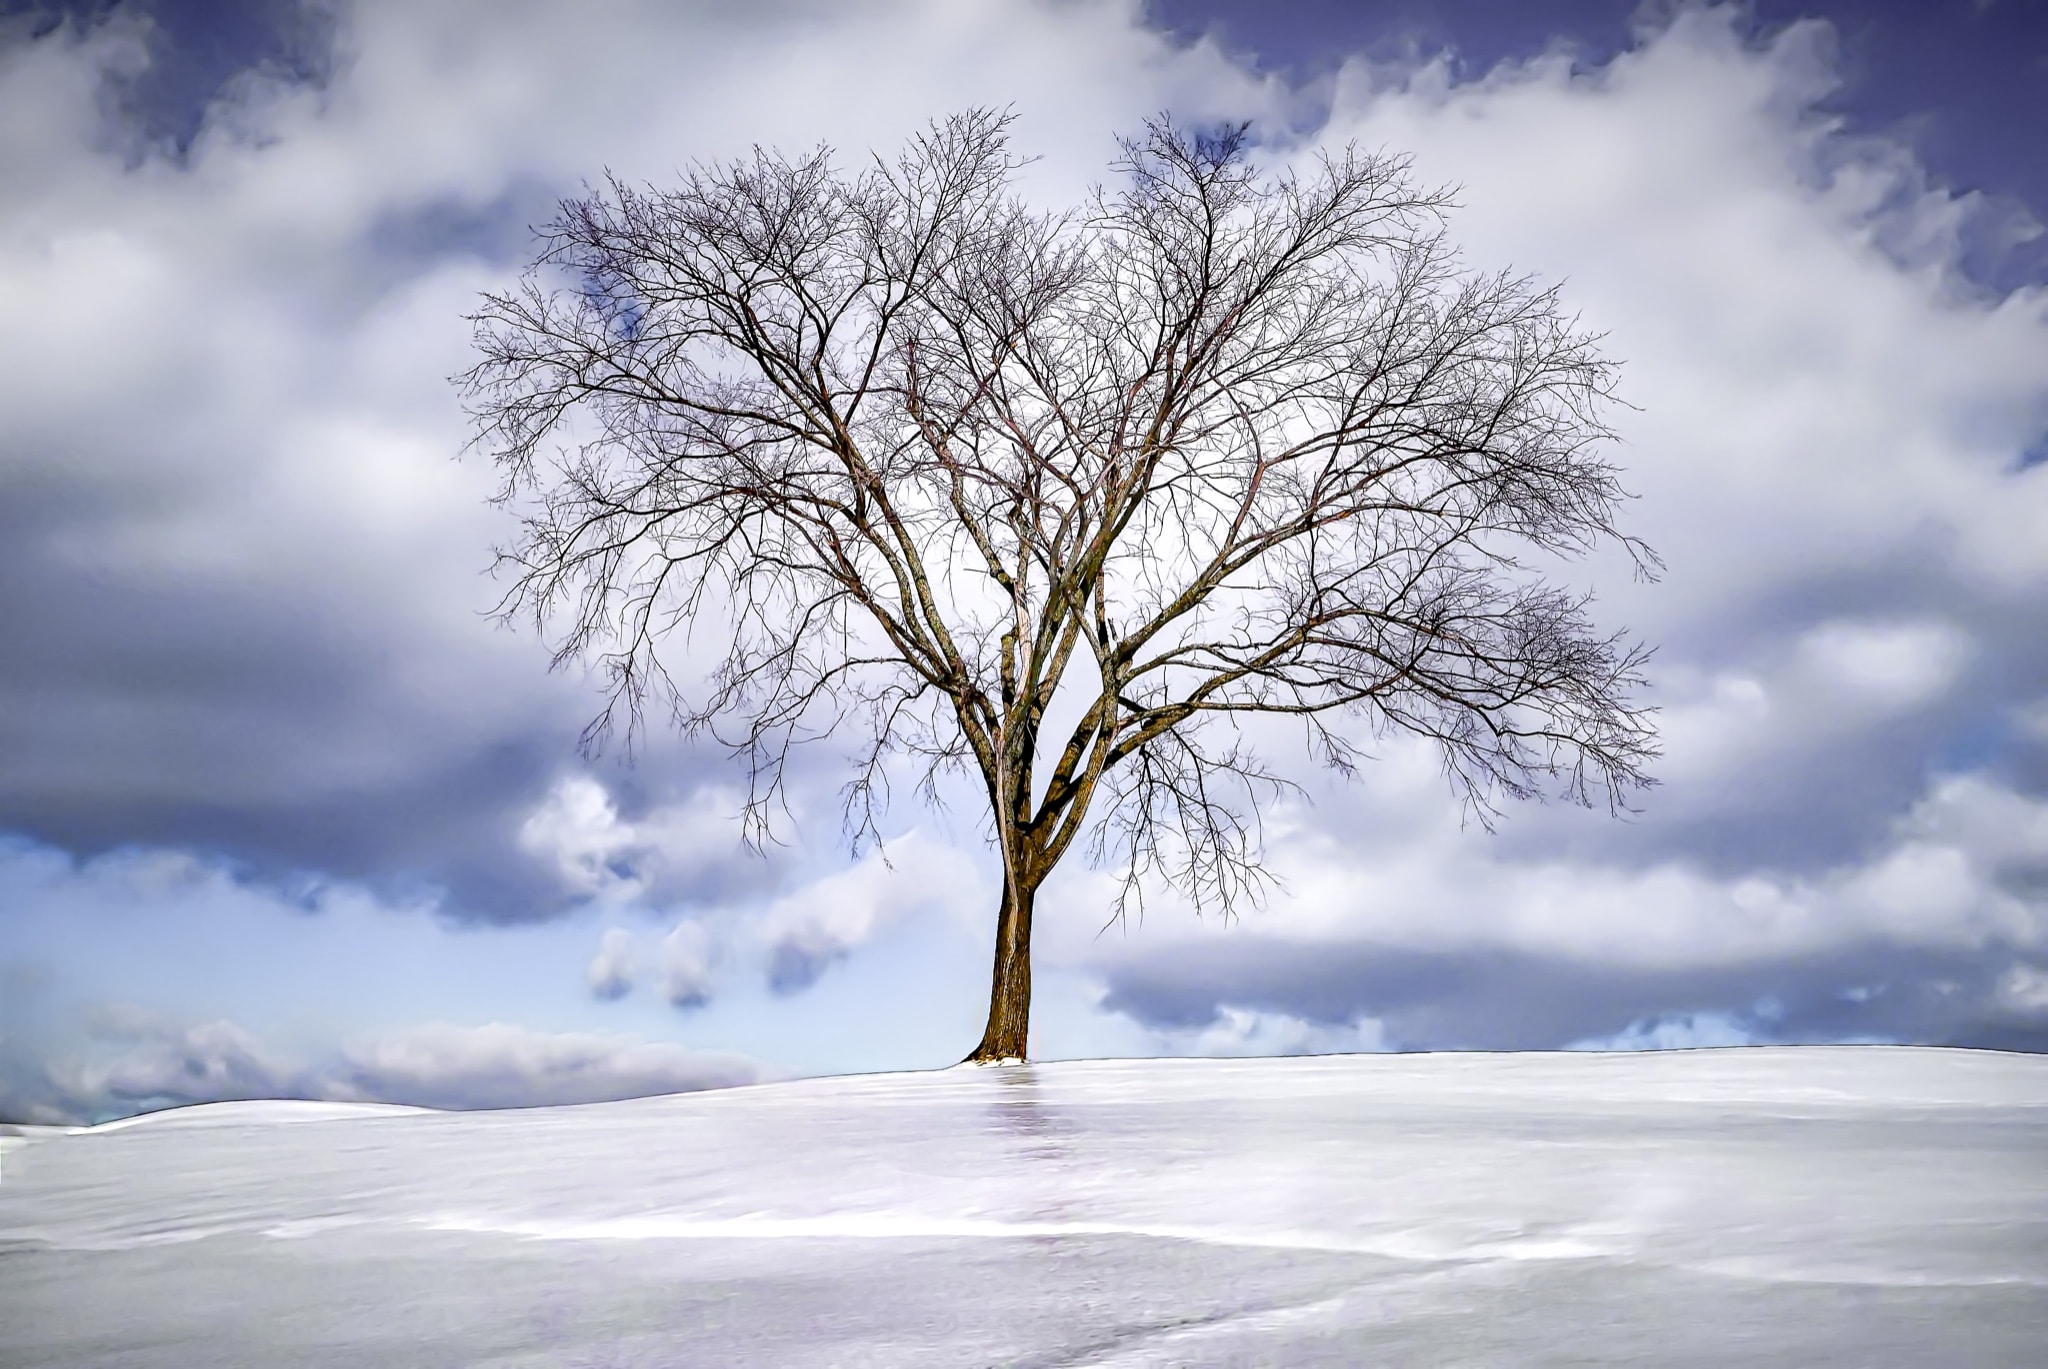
<point>1009,999</point>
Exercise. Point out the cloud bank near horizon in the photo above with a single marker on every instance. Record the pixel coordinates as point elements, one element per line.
<point>144,1063</point>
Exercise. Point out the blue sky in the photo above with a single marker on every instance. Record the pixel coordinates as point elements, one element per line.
<point>282,811</point>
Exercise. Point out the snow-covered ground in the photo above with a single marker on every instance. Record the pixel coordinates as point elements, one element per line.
<point>1842,1205</point>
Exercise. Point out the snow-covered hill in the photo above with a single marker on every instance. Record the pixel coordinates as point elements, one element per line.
<point>1853,1205</point>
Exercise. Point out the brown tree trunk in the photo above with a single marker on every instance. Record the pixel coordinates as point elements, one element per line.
<point>1009,999</point>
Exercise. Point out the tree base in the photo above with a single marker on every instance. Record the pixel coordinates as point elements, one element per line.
<point>1008,1032</point>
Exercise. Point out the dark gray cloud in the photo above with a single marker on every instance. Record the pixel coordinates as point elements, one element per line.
<point>194,660</point>
<point>794,966</point>
<point>500,230</point>
<point>1821,784</point>
<point>1492,999</point>
<point>266,721</point>
<point>192,51</point>
<point>204,652</point>
<point>219,640</point>
<point>1959,82</point>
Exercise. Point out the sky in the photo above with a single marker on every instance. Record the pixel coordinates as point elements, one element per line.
<point>285,812</point>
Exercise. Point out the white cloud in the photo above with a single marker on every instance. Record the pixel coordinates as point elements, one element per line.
<point>500,1065</point>
<point>1892,665</point>
<point>2024,990</point>
<point>1806,405</point>
<point>1688,1031</point>
<point>687,953</point>
<point>1941,879</point>
<point>611,971</point>
<point>578,828</point>
<point>2032,718</point>
<point>1442,941</point>
<point>1254,1031</point>
<point>164,1063</point>
<point>804,931</point>
<point>156,1062</point>
<point>682,964</point>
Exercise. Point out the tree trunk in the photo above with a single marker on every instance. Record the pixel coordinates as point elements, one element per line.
<point>1009,999</point>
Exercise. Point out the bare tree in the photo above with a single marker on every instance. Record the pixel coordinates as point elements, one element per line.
<point>1222,442</point>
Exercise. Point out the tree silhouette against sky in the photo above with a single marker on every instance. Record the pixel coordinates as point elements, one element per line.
<point>1057,499</point>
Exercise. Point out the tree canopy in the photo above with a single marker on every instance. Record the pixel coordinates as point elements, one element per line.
<point>1220,442</point>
